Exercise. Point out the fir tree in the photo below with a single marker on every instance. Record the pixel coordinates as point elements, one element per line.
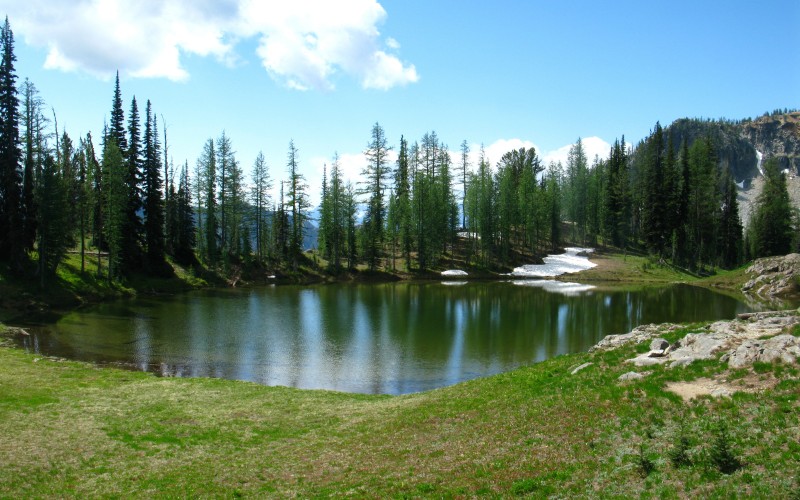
<point>53,234</point>
<point>208,164</point>
<point>402,191</point>
<point>771,225</point>
<point>115,198</point>
<point>185,240</point>
<point>730,225</point>
<point>33,121</point>
<point>259,197</point>
<point>12,241</point>
<point>376,174</point>
<point>117,126</point>
<point>297,204</point>
<point>153,198</point>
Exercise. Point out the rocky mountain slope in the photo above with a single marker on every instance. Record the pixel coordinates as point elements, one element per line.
<point>743,145</point>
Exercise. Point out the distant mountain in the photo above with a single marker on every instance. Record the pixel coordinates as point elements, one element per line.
<point>740,143</point>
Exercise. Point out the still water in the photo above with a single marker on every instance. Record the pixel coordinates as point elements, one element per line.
<point>391,338</point>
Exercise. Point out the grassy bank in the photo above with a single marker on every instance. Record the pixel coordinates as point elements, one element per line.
<point>71,429</point>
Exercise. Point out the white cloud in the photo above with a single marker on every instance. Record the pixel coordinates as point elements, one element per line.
<point>493,152</point>
<point>302,44</point>
<point>592,146</point>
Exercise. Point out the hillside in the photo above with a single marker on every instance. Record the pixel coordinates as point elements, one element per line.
<point>743,145</point>
<point>740,143</point>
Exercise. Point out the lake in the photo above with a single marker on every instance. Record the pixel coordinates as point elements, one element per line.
<point>392,338</point>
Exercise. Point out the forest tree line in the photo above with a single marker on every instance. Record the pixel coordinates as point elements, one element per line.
<point>126,201</point>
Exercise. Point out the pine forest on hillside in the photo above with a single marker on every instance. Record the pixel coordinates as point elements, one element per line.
<point>121,196</point>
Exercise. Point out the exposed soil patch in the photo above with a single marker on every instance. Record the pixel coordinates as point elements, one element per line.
<point>720,386</point>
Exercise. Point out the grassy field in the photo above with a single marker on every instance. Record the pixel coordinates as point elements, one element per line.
<point>71,429</point>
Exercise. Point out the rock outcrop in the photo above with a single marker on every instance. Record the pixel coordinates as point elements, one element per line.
<point>773,277</point>
<point>763,336</point>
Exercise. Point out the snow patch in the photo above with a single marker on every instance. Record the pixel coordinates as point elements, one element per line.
<point>760,158</point>
<point>454,272</point>
<point>740,185</point>
<point>454,283</point>
<point>554,286</point>
<point>573,260</point>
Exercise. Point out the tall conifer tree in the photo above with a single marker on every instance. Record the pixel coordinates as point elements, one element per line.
<point>12,247</point>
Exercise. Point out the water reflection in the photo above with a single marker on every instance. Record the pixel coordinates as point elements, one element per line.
<point>385,338</point>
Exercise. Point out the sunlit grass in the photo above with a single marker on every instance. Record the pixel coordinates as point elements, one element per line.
<point>69,428</point>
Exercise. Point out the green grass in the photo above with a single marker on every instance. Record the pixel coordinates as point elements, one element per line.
<point>71,429</point>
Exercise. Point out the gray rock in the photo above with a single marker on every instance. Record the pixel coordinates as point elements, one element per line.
<point>784,348</point>
<point>658,348</point>
<point>625,377</point>
<point>581,367</point>
<point>682,362</point>
<point>773,276</point>
<point>646,360</point>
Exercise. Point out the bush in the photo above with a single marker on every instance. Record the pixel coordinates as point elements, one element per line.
<point>646,464</point>
<point>721,454</point>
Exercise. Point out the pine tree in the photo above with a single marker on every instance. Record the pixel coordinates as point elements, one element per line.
<point>349,209</point>
<point>134,175</point>
<point>487,207</point>
<point>231,198</point>
<point>12,241</point>
<point>208,165</point>
<point>115,206</point>
<point>83,199</point>
<point>464,174</point>
<point>324,216</point>
<point>656,218</point>
<point>117,126</point>
<point>297,205</point>
<point>554,196</point>
<point>730,225</point>
<point>577,190</point>
<point>53,234</point>
<point>772,225</point>
<point>376,173</point>
<point>185,240</point>
<point>259,197</point>
<point>332,217</point>
<point>33,120</point>
<point>95,199</point>
<point>616,206</point>
<point>682,251</point>
<point>402,193</point>
<point>153,198</point>
<point>704,202</point>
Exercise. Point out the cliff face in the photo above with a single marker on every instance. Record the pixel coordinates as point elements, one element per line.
<point>734,151</point>
<point>776,136</point>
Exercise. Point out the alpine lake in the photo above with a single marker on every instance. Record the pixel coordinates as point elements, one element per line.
<point>389,338</point>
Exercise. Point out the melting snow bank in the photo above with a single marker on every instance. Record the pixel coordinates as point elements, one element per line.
<point>573,260</point>
<point>554,286</point>
<point>454,272</point>
<point>759,160</point>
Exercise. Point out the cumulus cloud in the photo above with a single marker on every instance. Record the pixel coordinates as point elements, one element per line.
<point>592,146</point>
<point>498,148</point>
<point>303,44</point>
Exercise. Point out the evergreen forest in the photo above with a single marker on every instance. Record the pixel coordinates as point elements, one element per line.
<point>417,206</point>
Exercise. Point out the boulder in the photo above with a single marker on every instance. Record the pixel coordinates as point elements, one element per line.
<point>626,377</point>
<point>773,276</point>
<point>783,348</point>
<point>658,347</point>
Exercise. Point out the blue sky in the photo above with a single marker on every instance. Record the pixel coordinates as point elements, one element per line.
<point>501,73</point>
